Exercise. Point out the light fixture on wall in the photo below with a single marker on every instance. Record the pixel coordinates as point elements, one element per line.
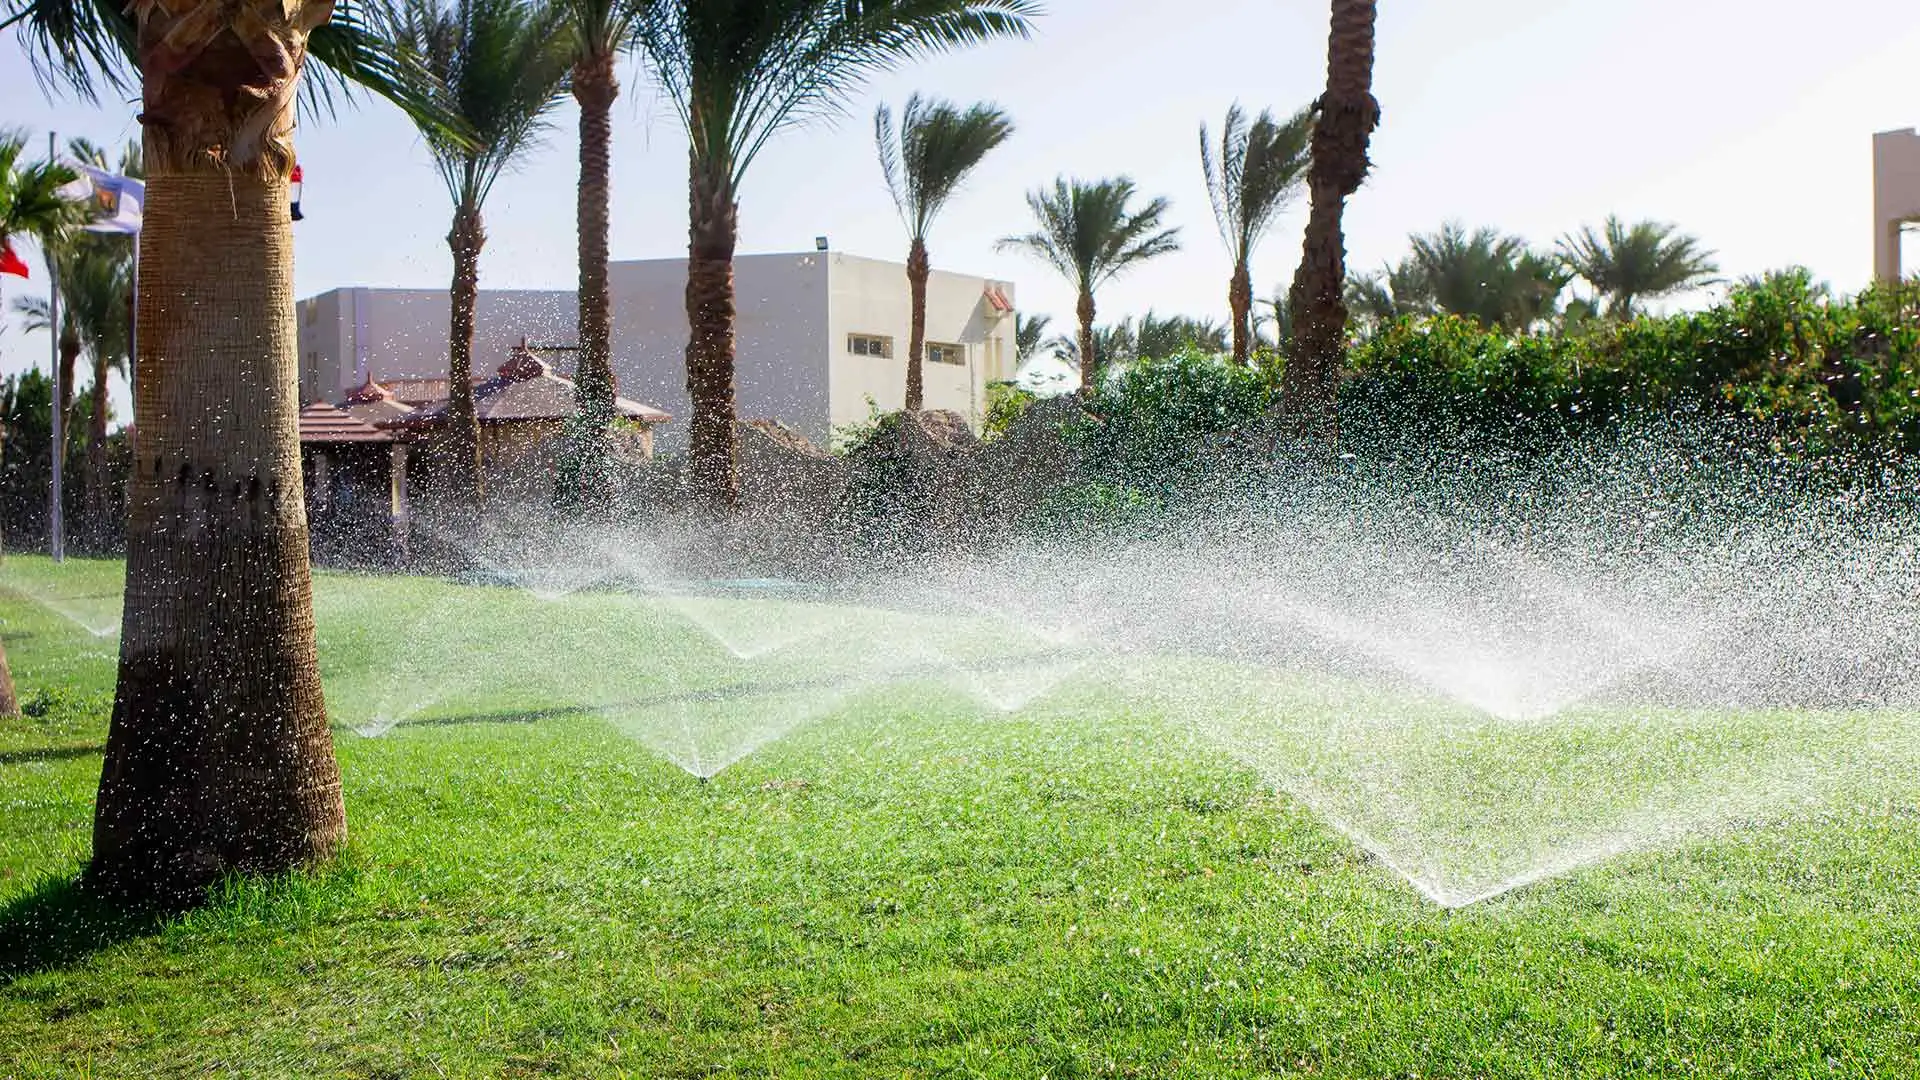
<point>819,243</point>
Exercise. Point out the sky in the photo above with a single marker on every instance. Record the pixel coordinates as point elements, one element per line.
<point>1747,122</point>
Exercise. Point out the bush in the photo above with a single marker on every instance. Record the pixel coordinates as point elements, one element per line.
<point>1156,419</point>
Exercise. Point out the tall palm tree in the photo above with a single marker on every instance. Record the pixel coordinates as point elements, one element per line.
<point>936,147</point>
<point>218,755</point>
<point>738,72</point>
<point>1344,119</point>
<point>600,31</point>
<point>1250,179</point>
<point>1645,261</point>
<point>498,66</point>
<point>96,278</point>
<point>1090,234</point>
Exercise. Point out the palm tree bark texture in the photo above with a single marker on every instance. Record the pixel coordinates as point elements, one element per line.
<point>1345,118</point>
<point>712,233</point>
<point>595,87</point>
<point>919,269</point>
<point>218,758</point>
<point>1240,303</point>
<point>1089,358</point>
<point>461,451</point>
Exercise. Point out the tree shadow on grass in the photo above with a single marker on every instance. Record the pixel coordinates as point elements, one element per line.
<point>60,923</point>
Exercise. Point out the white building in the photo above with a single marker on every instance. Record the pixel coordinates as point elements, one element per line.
<point>818,335</point>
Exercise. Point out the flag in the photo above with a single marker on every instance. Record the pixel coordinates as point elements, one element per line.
<point>294,183</point>
<point>119,200</point>
<point>11,263</point>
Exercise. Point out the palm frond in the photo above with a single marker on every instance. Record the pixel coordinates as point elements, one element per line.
<point>937,146</point>
<point>1088,233</point>
<point>740,71</point>
<point>492,70</point>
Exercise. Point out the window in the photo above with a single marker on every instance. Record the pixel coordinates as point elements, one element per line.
<point>942,353</point>
<point>870,345</point>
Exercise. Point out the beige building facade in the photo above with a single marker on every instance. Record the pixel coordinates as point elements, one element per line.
<point>1896,198</point>
<point>820,334</point>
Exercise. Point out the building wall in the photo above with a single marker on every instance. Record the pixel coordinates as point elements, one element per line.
<point>349,335</point>
<point>780,360</point>
<point>794,315</point>
<point>1896,197</point>
<point>871,297</point>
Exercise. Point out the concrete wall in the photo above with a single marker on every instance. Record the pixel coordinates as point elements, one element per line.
<point>795,312</point>
<point>871,296</point>
<point>349,335</point>
<point>1896,197</point>
<point>780,370</point>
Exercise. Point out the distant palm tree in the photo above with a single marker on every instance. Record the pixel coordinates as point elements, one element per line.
<point>1029,334</point>
<point>117,354</point>
<point>936,147</point>
<point>1645,261</point>
<point>497,66</point>
<point>1156,338</point>
<point>600,31</point>
<point>1483,275</point>
<point>1090,234</point>
<point>96,278</point>
<point>1250,179</point>
<point>1344,119</point>
<point>739,72</point>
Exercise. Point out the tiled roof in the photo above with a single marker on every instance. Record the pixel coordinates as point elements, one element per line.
<point>525,389</point>
<point>324,423</point>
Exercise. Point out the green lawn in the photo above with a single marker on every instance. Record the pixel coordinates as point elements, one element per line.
<point>938,848</point>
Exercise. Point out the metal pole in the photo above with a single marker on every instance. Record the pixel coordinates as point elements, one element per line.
<point>56,527</point>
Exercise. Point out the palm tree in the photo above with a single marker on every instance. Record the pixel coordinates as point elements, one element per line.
<point>1344,119</point>
<point>1158,337</point>
<point>1089,234</point>
<point>1645,261</point>
<point>937,146</point>
<point>497,66</point>
<point>96,279</point>
<point>1250,179</point>
<point>111,343</point>
<point>600,30</point>
<point>218,755</point>
<point>1029,333</point>
<point>1483,275</point>
<point>738,73</point>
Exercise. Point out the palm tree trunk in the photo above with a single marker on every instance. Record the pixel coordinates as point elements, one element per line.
<point>1089,362</point>
<point>712,233</point>
<point>69,363</point>
<point>219,757</point>
<point>919,268</point>
<point>1240,302</point>
<point>1346,116</point>
<point>9,701</point>
<point>98,531</point>
<point>595,87</point>
<point>461,449</point>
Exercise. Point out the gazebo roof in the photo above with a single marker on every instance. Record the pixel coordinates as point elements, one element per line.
<point>525,389</point>
<point>324,423</point>
<point>374,404</point>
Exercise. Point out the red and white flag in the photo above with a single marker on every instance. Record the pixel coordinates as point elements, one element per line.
<point>10,261</point>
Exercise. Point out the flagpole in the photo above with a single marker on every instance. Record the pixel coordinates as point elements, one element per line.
<point>56,543</point>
